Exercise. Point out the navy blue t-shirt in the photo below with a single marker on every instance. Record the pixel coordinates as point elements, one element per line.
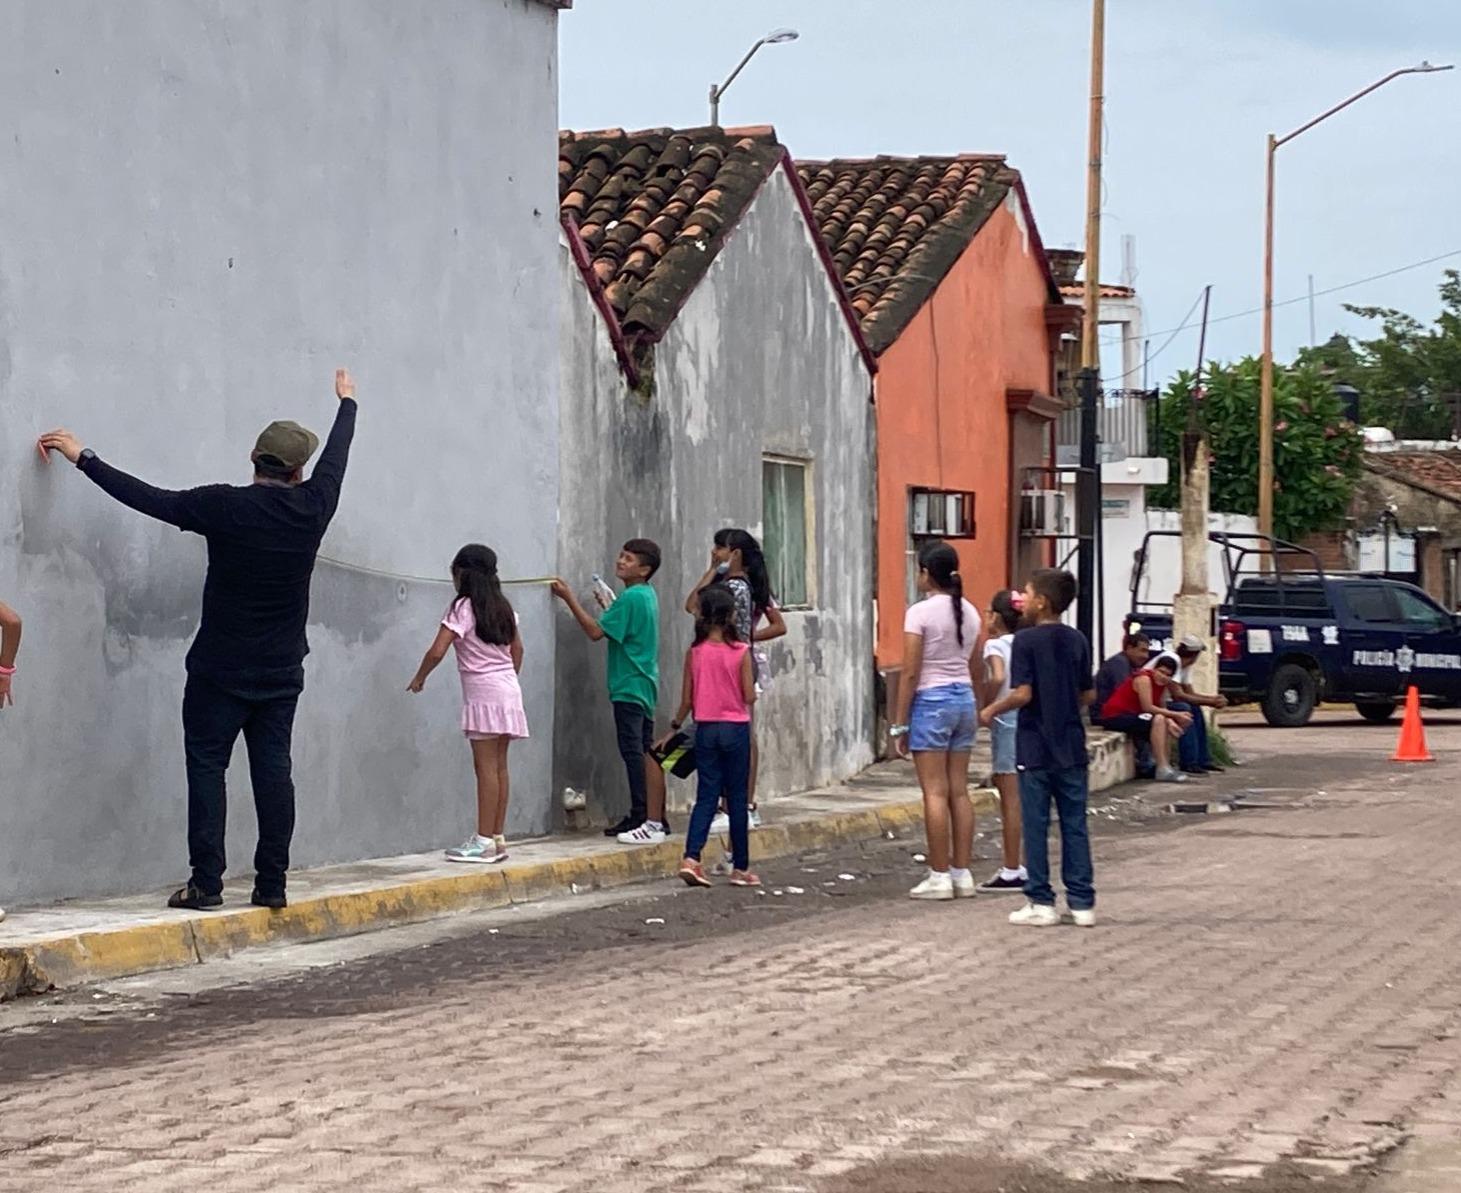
<point>1055,660</point>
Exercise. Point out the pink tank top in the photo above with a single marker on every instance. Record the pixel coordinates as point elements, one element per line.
<point>715,668</point>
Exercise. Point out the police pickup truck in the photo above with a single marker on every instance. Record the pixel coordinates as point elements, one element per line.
<point>1291,635</point>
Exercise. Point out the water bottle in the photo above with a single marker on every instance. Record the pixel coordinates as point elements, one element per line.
<point>602,592</point>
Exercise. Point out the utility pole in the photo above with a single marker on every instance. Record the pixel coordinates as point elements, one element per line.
<point>1265,399</point>
<point>1088,486</point>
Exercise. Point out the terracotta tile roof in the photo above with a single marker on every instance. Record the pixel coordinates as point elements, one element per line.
<point>654,207</point>
<point>1438,472</point>
<point>896,225</point>
<point>1077,291</point>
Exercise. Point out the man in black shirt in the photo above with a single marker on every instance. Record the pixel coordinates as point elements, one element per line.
<point>1115,671</point>
<point>246,665</point>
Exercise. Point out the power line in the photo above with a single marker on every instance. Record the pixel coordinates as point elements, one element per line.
<point>1288,302</point>
<point>1172,333</point>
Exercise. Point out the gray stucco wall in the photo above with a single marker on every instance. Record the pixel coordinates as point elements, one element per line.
<point>760,360</point>
<point>205,206</point>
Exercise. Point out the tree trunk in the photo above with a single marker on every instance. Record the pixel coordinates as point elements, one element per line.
<point>1192,607</point>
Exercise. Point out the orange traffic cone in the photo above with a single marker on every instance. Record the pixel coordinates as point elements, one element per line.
<point>1412,747</point>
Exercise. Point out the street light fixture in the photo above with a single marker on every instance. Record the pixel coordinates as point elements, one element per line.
<point>775,38</point>
<point>1265,404</point>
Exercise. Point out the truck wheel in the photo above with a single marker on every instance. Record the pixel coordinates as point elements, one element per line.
<point>1376,711</point>
<point>1291,697</point>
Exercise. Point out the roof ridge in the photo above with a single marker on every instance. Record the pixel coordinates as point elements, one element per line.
<point>898,157</point>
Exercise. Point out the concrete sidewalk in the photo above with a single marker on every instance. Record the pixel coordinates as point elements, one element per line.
<point>67,944</point>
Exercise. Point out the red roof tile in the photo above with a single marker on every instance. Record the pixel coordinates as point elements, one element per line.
<point>896,225</point>
<point>654,207</point>
<point>1077,291</point>
<point>1439,471</point>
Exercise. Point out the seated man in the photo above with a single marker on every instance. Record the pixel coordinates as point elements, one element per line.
<point>1114,672</point>
<point>1139,709</point>
<point>1181,697</point>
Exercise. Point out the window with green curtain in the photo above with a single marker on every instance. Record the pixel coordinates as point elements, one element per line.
<point>784,505</point>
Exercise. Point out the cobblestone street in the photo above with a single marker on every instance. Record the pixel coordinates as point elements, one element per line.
<point>1271,996</point>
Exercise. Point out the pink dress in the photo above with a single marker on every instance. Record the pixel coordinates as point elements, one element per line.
<point>492,699</point>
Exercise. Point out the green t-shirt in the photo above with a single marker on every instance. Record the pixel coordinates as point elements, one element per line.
<point>631,625</point>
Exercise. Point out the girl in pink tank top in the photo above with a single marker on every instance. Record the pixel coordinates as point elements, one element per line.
<point>719,689</point>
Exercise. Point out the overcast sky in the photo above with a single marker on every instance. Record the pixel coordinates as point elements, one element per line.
<point>1193,87</point>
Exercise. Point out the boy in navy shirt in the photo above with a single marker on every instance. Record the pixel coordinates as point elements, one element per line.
<point>1050,682</point>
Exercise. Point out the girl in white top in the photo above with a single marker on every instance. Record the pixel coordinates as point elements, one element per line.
<point>936,717</point>
<point>1004,620</point>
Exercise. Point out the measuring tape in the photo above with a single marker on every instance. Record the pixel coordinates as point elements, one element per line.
<point>365,571</point>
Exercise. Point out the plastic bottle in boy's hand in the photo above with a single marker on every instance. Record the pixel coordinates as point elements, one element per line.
<point>602,592</point>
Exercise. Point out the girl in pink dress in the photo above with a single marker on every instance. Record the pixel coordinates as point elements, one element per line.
<point>483,628</point>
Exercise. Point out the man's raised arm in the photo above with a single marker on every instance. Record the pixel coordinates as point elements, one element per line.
<point>329,471</point>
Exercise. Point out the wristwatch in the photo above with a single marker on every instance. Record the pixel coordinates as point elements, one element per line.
<point>897,730</point>
<point>85,458</point>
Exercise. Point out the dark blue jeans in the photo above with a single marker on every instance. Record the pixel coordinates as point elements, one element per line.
<point>1066,789</point>
<point>213,717</point>
<point>723,763</point>
<point>1192,746</point>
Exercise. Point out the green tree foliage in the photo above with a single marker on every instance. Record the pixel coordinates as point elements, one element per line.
<point>1316,450</point>
<point>1409,377</point>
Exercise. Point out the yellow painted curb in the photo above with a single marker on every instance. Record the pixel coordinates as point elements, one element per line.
<point>171,943</point>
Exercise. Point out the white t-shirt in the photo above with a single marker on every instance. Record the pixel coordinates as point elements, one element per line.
<point>1001,647</point>
<point>945,661</point>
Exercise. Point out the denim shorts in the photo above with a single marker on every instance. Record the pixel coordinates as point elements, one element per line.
<point>942,719</point>
<point>1002,736</point>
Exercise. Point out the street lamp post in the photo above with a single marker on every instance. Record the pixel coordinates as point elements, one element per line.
<point>775,38</point>
<point>1265,402</point>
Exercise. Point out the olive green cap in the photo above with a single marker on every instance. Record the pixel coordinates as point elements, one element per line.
<point>287,443</point>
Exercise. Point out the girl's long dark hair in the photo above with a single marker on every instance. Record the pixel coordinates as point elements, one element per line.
<point>735,539</point>
<point>941,562</point>
<point>717,611</point>
<point>1005,607</point>
<point>475,572</point>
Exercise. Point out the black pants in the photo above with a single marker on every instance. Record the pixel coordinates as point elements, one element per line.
<point>635,729</point>
<point>213,717</point>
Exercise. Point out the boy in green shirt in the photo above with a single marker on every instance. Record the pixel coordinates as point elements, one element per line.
<point>631,624</point>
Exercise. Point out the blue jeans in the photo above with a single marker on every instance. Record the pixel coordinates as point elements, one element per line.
<point>1067,789</point>
<point>1192,746</point>
<point>723,763</point>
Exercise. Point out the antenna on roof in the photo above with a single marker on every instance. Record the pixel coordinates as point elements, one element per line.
<point>1128,260</point>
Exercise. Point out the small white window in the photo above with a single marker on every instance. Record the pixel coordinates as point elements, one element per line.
<point>785,493</point>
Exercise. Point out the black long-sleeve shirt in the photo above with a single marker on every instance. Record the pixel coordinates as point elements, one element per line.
<point>262,542</point>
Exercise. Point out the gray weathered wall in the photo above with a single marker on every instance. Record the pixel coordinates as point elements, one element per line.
<point>759,360</point>
<point>206,205</point>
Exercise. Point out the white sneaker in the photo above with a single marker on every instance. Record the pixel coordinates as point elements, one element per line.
<point>651,832</point>
<point>1167,775</point>
<point>964,885</point>
<point>720,826</point>
<point>473,849</point>
<point>1084,917</point>
<point>754,817</point>
<point>1035,915</point>
<point>936,886</point>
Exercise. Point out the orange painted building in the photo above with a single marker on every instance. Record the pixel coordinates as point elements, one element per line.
<point>944,265</point>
